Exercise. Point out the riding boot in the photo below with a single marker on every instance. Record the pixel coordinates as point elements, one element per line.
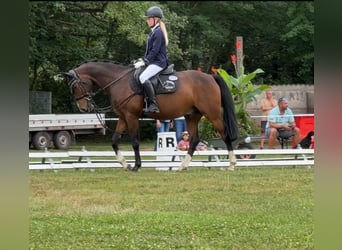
<point>149,92</point>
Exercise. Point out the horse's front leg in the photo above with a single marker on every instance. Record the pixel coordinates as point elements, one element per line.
<point>135,146</point>
<point>115,145</point>
<point>120,127</point>
<point>133,131</point>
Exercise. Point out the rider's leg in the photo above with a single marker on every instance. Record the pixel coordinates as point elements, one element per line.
<point>149,91</point>
<point>150,71</point>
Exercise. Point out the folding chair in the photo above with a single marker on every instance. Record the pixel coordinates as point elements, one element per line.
<point>284,137</point>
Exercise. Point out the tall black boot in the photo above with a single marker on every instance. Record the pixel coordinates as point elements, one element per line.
<point>149,92</point>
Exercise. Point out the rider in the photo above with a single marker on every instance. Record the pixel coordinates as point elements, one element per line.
<point>155,56</point>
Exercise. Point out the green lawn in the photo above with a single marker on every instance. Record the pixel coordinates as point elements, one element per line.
<point>251,208</point>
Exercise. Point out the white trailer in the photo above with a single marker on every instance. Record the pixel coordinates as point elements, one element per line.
<point>60,129</point>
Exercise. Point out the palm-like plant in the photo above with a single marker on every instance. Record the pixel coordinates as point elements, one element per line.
<point>243,92</point>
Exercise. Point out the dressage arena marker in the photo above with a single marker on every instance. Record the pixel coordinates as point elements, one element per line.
<point>166,142</point>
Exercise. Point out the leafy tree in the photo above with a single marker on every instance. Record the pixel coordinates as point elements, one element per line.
<point>63,34</point>
<point>300,30</point>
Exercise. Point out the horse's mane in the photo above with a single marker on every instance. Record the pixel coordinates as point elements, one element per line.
<point>99,60</point>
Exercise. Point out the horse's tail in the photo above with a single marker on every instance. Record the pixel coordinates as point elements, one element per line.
<point>229,115</point>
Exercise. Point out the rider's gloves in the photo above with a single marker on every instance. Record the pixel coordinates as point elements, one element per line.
<point>139,63</point>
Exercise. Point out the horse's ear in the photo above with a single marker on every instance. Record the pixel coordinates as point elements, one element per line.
<point>66,75</point>
<point>61,77</point>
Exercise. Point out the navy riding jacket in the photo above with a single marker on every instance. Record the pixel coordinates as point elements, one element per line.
<point>156,48</point>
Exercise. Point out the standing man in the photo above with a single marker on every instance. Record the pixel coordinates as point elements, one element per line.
<point>162,126</point>
<point>179,125</point>
<point>266,104</point>
<point>281,121</point>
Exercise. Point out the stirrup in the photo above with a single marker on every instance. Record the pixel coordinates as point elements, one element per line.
<point>152,109</point>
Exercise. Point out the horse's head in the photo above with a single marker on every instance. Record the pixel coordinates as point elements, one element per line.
<point>82,89</point>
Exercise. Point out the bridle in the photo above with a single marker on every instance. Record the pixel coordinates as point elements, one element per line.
<point>76,80</point>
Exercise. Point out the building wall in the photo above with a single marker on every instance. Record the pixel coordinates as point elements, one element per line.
<point>300,96</point>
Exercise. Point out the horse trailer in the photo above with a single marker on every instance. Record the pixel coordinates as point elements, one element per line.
<point>61,129</point>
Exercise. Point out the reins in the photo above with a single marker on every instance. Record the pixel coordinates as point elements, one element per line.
<point>108,108</point>
<point>90,96</point>
<point>115,81</point>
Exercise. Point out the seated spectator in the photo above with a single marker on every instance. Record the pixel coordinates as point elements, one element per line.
<point>281,121</point>
<point>201,146</point>
<point>184,143</point>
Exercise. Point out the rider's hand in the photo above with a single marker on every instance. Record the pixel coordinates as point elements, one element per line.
<point>139,63</point>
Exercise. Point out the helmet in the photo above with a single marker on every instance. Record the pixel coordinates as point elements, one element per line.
<point>154,11</point>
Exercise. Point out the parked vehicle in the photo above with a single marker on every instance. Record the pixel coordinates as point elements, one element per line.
<point>61,129</point>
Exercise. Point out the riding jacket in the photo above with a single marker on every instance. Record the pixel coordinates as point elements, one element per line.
<point>156,48</point>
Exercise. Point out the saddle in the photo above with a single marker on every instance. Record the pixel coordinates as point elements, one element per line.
<point>164,82</point>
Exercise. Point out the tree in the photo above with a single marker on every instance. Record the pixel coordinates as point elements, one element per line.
<point>63,34</point>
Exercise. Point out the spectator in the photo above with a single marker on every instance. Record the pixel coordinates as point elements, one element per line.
<point>184,143</point>
<point>281,121</point>
<point>266,104</point>
<point>179,126</point>
<point>162,126</point>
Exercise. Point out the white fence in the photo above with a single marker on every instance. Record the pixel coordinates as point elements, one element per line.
<point>208,159</point>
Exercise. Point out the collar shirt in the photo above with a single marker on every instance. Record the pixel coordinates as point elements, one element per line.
<point>278,118</point>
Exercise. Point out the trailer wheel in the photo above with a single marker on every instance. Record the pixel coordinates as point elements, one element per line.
<point>247,156</point>
<point>62,140</point>
<point>41,140</point>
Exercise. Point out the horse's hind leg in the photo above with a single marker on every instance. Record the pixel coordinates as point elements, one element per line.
<point>232,158</point>
<point>219,126</point>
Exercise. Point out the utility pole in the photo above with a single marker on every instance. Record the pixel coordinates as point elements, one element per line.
<point>239,55</point>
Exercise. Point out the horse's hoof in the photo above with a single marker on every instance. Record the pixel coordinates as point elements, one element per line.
<point>133,169</point>
<point>231,168</point>
<point>129,167</point>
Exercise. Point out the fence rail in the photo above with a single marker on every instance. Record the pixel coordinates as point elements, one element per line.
<point>169,160</point>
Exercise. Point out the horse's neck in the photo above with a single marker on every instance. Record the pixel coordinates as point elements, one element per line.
<point>109,77</point>
<point>118,87</point>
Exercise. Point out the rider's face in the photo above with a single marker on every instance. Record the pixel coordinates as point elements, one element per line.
<point>150,21</point>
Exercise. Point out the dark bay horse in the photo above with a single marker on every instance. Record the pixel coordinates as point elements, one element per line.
<point>198,94</point>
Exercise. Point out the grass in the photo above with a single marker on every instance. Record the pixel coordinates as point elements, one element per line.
<point>251,208</point>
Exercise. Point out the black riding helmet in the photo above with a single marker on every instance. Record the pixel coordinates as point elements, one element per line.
<point>154,11</point>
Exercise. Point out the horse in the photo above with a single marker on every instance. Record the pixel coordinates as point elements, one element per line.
<point>198,94</point>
